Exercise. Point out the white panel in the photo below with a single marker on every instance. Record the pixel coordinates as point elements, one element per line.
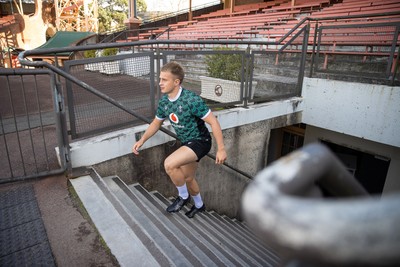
<point>366,111</point>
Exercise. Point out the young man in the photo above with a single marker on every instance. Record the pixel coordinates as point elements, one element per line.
<point>187,113</point>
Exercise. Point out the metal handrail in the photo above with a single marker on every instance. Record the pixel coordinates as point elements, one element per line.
<point>283,206</point>
<point>101,95</point>
<point>22,58</point>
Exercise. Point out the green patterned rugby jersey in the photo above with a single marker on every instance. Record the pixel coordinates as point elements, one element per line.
<point>186,113</point>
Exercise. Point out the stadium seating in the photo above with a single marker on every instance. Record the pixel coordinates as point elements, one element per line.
<point>277,20</point>
<point>270,21</point>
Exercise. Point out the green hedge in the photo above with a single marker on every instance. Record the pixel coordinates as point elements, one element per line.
<point>224,66</point>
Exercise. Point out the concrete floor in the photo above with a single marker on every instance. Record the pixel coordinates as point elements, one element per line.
<point>73,240</point>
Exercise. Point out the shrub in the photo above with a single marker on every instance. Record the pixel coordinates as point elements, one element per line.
<point>224,66</point>
<point>89,53</point>
<point>109,52</point>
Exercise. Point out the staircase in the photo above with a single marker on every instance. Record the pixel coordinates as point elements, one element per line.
<point>138,231</point>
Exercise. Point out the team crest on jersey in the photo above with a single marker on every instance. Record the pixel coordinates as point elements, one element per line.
<point>174,118</point>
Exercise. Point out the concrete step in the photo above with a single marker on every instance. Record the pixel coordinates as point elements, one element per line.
<point>164,237</point>
<point>106,213</point>
<point>216,238</point>
<point>137,229</point>
<point>248,238</point>
<point>223,237</point>
<point>193,231</point>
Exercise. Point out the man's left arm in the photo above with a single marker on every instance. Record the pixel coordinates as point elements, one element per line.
<point>217,133</point>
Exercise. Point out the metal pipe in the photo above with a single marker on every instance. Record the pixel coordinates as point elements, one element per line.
<point>354,230</point>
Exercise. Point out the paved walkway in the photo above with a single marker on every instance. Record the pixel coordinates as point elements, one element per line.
<point>42,225</point>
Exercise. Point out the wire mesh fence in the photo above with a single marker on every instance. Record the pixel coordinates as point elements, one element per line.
<point>125,78</point>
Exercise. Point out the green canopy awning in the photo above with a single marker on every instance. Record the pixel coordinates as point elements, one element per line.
<point>64,39</point>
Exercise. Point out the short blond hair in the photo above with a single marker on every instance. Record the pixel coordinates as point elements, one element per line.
<point>175,68</point>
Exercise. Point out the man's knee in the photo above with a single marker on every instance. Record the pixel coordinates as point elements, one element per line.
<point>169,166</point>
<point>189,180</point>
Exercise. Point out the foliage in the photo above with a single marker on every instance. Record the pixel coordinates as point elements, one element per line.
<point>104,19</point>
<point>224,66</point>
<point>141,6</point>
<point>89,53</point>
<point>104,53</point>
<point>115,12</point>
<point>109,52</point>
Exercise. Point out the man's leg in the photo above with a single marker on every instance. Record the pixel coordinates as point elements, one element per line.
<point>190,175</point>
<point>179,165</point>
<point>173,165</point>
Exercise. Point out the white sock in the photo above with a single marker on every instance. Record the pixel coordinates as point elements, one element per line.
<point>183,191</point>
<point>198,202</point>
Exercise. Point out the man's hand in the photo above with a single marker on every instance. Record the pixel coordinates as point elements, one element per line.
<point>136,147</point>
<point>221,156</point>
<point>217,132</point>
<point>154,126</point>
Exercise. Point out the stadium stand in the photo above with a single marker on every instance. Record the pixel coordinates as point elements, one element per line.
<point>270,21</point>
<point>350,28</point>
<point>341,27</point>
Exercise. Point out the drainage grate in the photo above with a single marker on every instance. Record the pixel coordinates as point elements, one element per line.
<point>23,238</point>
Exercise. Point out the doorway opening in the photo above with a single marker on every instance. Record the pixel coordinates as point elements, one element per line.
<point>285,140</point>
<point>369,169</point>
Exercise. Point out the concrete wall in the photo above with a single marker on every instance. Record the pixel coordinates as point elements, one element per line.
<point>30,32</point>
<point>221,188</point>
<point>34,33</point>
<point>366,111</point>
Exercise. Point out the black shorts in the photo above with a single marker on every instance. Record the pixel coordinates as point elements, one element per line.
<point>199,147</point>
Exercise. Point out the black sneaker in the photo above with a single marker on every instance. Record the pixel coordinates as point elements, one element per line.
<point>178,204</point>
<point>194,210</point>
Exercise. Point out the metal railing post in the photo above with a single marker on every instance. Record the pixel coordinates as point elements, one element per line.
<point>300,79</point>
<point>313,48</point>
<point>61,124</point>
<point>248,76</point>
<point>391,60</point>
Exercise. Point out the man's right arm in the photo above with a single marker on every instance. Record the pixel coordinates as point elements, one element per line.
<point>154,126</point>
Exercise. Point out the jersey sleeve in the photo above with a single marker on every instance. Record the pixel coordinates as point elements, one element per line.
<point>199,107</point>
<point>160,114</point>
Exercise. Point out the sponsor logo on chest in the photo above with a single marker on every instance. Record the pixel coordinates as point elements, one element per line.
<point>174,118</point>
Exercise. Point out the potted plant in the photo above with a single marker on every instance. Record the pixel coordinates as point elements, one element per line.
<point>110,67</point>
<point>106,67</point>
<point>224,77</point>
<point>92,66</point>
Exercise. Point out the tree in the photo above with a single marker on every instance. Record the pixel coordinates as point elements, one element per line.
<point>141,6</point>
<point>115,12</point>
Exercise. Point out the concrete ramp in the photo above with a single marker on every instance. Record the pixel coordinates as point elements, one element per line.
<point>137,229</point>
